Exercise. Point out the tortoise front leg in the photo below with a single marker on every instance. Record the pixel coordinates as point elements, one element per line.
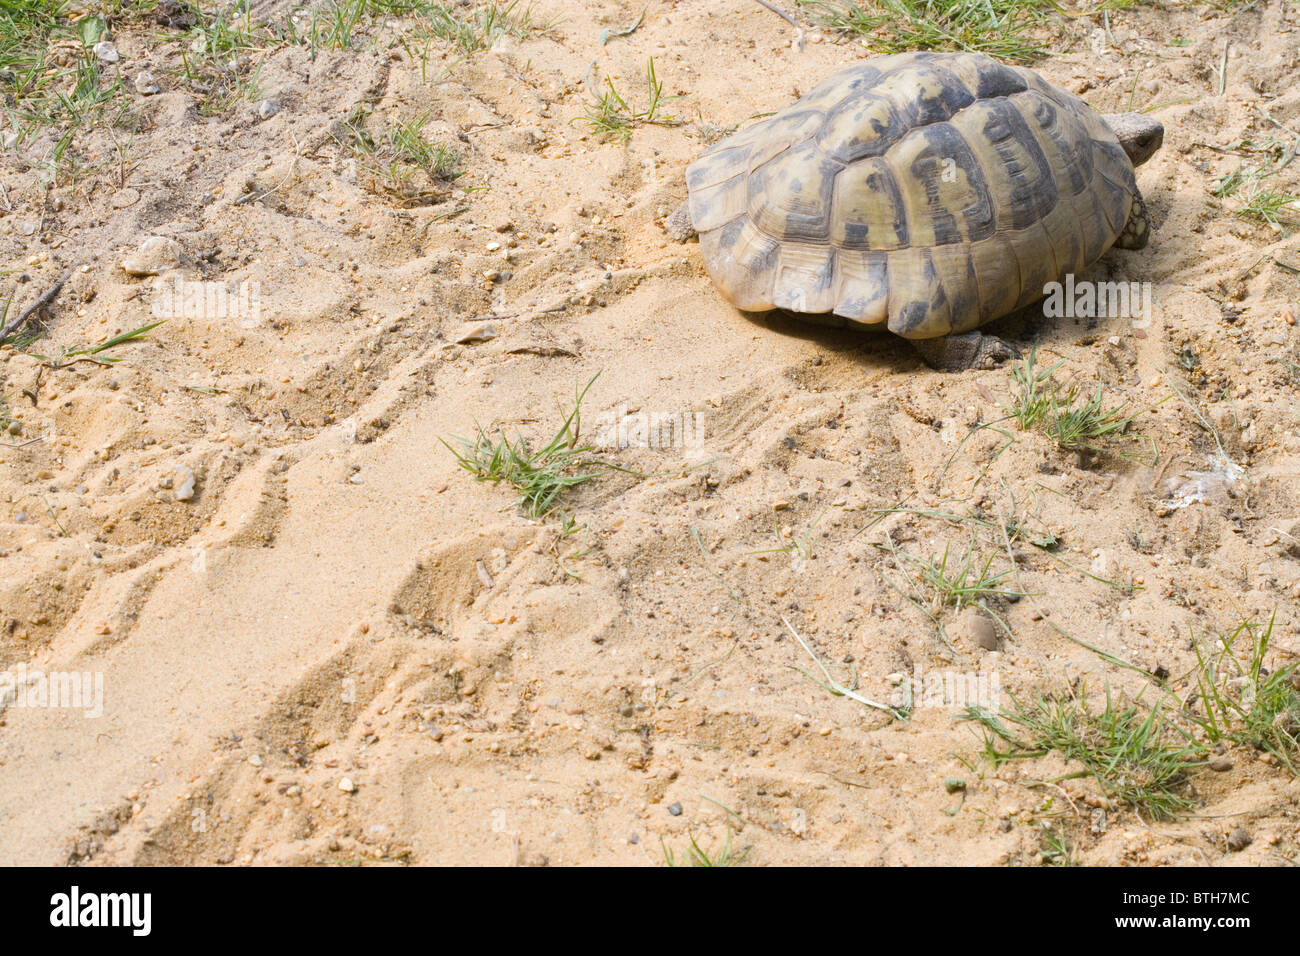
<point>957,353</point>
<point>678,225</point>
<point>1138,228</point>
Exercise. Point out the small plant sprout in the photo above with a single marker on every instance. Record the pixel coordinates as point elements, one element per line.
<point>696,855</point>
<point>395,158</point>
<point>1240,699</point>
<point>612,116</point>
<point>1137,755</point>
<point>539,475</point>
<point>1074,419</point>
<point>1256,200</point>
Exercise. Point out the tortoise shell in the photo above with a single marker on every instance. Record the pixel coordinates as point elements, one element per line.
<point>932,192</point>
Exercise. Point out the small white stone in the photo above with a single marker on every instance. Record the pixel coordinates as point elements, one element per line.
<point>156,254</point>
<point>105,50</point>
<point>183,480</point>
<point>146,84</point>
<point>475,333</point>
<point>347,786</point>
<point>267,108</point>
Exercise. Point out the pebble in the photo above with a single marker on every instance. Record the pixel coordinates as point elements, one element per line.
<point>1291,542</point>
<point>980,630</point>
<point>1238,840</point>
<point>347,786</point>
<point>156,254</point>
<point>1220,764</point>
<point>267,108</point>
<point>183,480</point>
<point>475,333</point>
<point>105,50</point>
<point>146,84</point>
<point>124,198</point>
<point>675,809</point>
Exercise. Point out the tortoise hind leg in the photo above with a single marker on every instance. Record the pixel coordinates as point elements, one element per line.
<point>969,350</point>
<point>934,302</point>
<point>678,225</point>
<point>1138,228</point>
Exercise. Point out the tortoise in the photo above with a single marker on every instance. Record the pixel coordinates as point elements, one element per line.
<point>927,192</point>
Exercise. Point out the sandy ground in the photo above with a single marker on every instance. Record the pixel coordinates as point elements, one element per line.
<point>339,648</point>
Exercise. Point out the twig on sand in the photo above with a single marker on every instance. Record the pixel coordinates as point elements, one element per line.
<point>45,299</point>
<point>831,685</point>
<point>293,164</point>
<point>782,14</point>
<point>23,444</point>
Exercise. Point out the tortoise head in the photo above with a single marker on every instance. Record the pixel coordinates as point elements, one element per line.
<point>1140,135</point>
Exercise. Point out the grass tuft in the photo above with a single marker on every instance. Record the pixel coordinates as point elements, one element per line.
<point>215,58</point>
<point>394,159</point>
<point>437,160</point>
<point>1256,200</point>
<point>954,581</point>
<point>480,28</point>
<point>540,475</point>
<point>1240,700</point>
<point>1074,420</point>
<point>1137,755</point>
<point>696,855</point>
<point>612,116</point>
<point>1145,756</point>
<point>998,28</point>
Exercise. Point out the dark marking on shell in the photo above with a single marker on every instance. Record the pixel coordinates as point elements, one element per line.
<point>863,125</point>
<point>1033,190</point>
<point>857,236</point>
<point>945,142</point>
<point>1075,147</point>
<point>964,299</point>
<point>786,202</point>
<point>863,294</point>
<point>913,314</point>
<point>950,98</point>
<point>718,166</point>
<point>998,80</point>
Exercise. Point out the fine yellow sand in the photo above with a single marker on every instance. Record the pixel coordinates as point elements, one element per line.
<point>341,648</point>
